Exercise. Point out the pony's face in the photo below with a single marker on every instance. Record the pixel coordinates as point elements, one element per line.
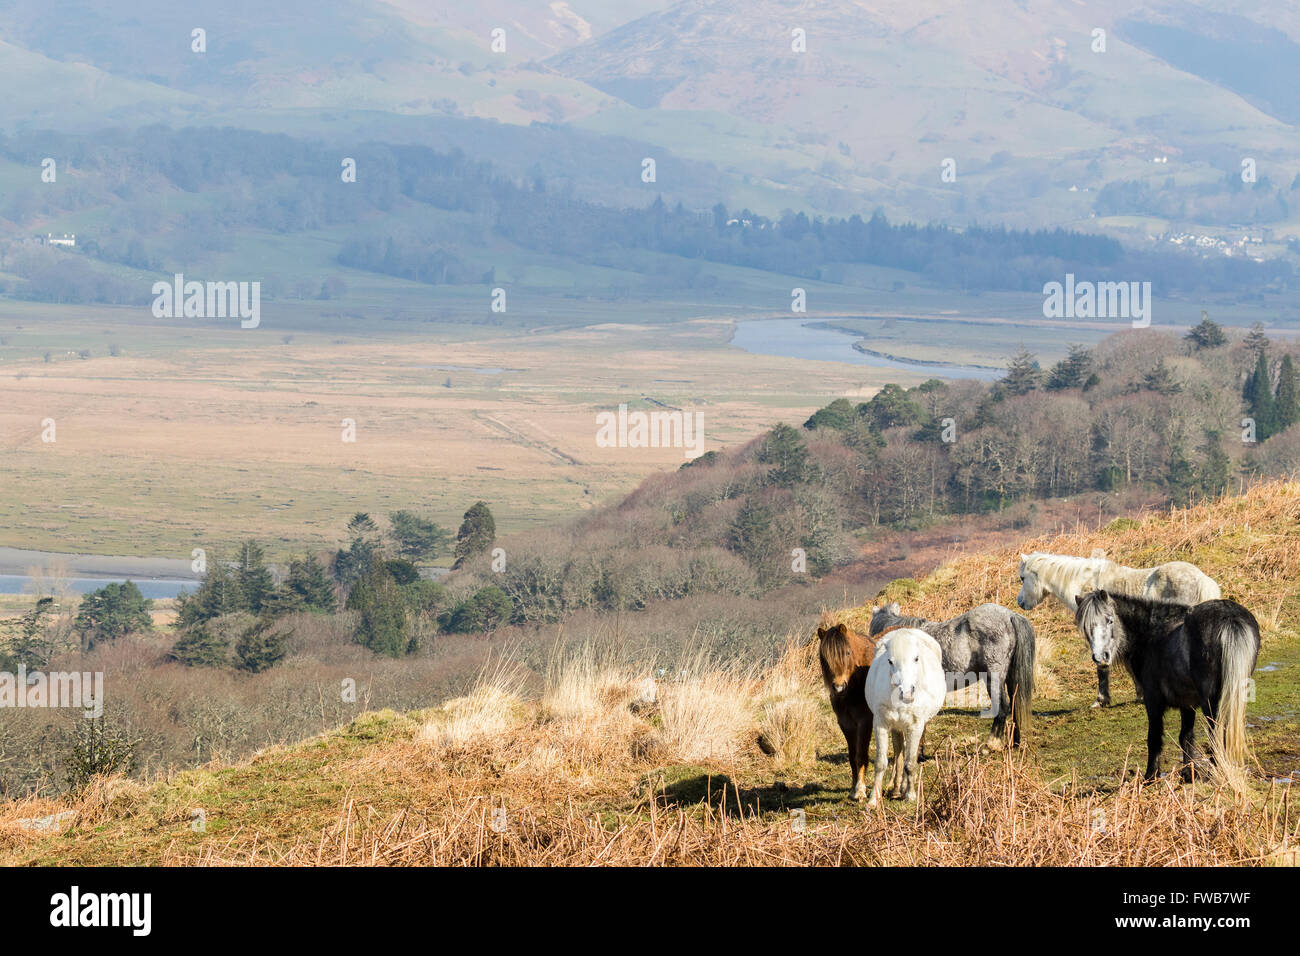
<point>1032,591</point>
<point>836,657</point>
<point>904,667</point>
<point>1095,619</point>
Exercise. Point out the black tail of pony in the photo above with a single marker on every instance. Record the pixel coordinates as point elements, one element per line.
<point>1020,681</point>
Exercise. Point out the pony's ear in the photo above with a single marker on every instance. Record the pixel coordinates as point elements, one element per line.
<point>895,608</point>
<point>874,609</point>
<point>1102,595</point>
<point>1078,598</point>
<point>1023,557</point>
<point>821,632</point>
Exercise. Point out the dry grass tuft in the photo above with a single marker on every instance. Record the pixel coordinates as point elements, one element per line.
<point>482,717</point>
<point>706,712</point>
<point>792,718</point>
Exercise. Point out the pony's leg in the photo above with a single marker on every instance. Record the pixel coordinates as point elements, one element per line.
<point>863,734</point>
<point>855,764</point>
<point>1155,736</point>
<point>896,784</point>
<point>913,749</point>
<point>1137,684</point>
<point>1103,686</point>
<point>997,695</point>
<point>882,757</point>
<point>1186,741</point>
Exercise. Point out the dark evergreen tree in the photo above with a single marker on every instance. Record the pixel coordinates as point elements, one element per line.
<point>382,623</point>
<point>253,578</point>
<point>889,408</point>
<point>837,415</point>
<point>1159,380</point>
<point>199,647</point>
<point>1258,395</point>
<point>112,611</point>
<point>1072,371</point>
<point>261,646</point>
<point>754,537</point>
<point>1207,335</point>
<point>1286,401</point>
<point>785,451</point>
<point>1181,477</point>
<point>478,530</point>
<point>402,571</point>
<point>29,648</point>
<point>1022,375</point>
<point>217,594</point>
<point>486,610</point>
<point>1216,469</point>
<point>416,538</point>
<point>307,579</point>
<point>354,562</point>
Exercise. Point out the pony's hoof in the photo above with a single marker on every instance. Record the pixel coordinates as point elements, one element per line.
<point>993,743</point>
<point>859,795</point>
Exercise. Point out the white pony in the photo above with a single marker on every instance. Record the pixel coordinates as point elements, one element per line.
<point>1067,577</point>
<point>905,688</point>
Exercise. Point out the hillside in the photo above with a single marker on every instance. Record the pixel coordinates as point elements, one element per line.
<point>592,772</point>
<point>1014,93</point>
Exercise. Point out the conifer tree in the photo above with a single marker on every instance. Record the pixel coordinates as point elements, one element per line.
<point>1207,335</point>
<point>1287,398</point>
<point>1022,375</point>
<point>478,529</point>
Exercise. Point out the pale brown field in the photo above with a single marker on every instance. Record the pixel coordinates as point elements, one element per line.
<point>203,436</point>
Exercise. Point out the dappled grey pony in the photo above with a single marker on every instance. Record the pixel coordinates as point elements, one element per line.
<point>990,643</point>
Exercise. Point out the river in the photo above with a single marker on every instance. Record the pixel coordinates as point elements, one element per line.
<point>801,339</point>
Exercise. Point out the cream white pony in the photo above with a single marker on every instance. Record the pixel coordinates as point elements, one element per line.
<point>1067,577</point>
<point>905,688</point>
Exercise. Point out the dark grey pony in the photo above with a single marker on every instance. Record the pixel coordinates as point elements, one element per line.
<point>989,642</point>
<point>1184,657</point>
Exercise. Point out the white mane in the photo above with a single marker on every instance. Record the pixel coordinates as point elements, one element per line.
<point>1067,576</point>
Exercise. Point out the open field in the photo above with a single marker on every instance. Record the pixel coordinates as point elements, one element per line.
<point>586,775</point>
<point>196,434</point>
<point>199,438</point>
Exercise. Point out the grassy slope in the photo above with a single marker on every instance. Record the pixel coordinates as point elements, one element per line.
<point>594,783</point>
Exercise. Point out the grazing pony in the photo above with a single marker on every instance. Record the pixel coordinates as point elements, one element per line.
<point>845,656</point>
<point>1184,657</point>
<point>905,688</point>
<point>1065,577</point>
<point>988,643</point>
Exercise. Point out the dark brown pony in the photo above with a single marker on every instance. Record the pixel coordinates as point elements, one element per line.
<point>845,657</point>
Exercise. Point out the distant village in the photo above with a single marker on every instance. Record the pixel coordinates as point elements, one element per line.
<point>1227,247</point>
<point>49,239</point>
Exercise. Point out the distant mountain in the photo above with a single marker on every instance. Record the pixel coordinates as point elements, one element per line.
<point>886,90</point>
<point>1016,98</point>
